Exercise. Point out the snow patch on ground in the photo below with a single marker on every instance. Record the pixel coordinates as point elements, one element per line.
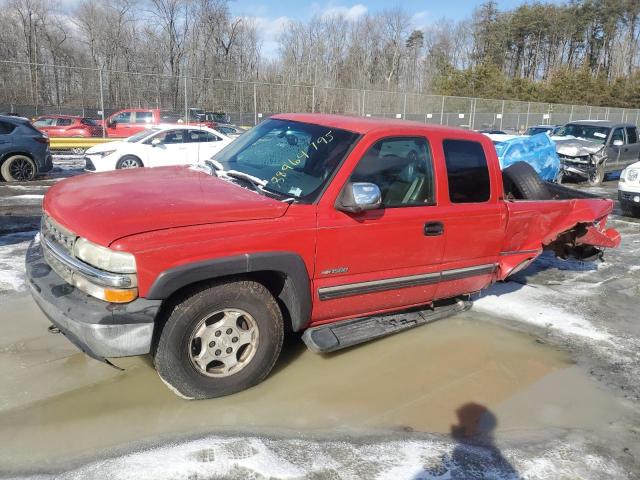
<point>537,305</point>
<point>28,199</point>
<point>13,248</point>
<point>260,458</point>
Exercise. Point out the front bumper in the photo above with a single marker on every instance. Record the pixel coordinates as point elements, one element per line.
<point>100,329</point>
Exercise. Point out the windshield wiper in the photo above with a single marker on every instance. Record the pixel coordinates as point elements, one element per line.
<point>258,185</point>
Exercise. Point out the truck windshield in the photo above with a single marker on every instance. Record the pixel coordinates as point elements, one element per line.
<point>588,132</point>
<point>294,159</point>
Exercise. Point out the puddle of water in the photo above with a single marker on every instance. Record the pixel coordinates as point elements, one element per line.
<point>416,379</point>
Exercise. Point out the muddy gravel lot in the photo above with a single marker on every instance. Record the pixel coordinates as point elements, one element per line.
<point>539,380</point>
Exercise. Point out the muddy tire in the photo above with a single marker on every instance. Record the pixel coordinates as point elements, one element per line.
<point>129,161</point>
<point>18,168</point>
<point>219,339</point>
<point>598,177</point>
<point>522,182</point>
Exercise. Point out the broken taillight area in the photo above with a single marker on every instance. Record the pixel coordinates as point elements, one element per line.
<point>585,242</point>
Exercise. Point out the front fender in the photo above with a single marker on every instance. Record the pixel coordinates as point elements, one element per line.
<point>295,293</point>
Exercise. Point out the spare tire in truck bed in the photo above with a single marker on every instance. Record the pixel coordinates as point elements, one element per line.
<point>521,182</point>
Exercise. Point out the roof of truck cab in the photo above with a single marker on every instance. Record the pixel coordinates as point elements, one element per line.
<point>601,123</point>
<point>362,125</point>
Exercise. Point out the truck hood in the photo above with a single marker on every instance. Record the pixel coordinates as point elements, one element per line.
<point>104,207</point>
<point>576,147</point>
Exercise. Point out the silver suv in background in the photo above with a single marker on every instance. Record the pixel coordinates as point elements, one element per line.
<point>591,148</point>
<point>24,150</point>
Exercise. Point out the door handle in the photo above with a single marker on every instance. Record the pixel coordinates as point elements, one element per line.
<point>432,229</point>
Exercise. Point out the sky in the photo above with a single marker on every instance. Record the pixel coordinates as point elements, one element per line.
<point>272,16</point>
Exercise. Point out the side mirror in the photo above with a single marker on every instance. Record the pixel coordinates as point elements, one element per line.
<point>358,197</point>
<point>618,143</point>
<point>155,142</point>
<point>111,123</point>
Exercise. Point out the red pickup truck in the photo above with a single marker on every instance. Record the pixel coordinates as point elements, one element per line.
<point>125,123</point>
<point>322,224</point>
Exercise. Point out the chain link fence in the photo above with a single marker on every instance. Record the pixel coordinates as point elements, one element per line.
<point>32,90</point>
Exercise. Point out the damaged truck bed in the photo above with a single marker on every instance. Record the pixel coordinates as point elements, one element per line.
<point>322,224</point>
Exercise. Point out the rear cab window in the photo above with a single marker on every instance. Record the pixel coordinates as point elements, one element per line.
<point>632,135</point>
<point>467,171</point>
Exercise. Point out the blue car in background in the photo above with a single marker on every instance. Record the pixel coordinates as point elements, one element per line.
<point>539,151</point>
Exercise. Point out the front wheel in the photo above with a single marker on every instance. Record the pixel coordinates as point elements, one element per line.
<point>129,161</point>
<point>18,168</point>
<point>597,177</point>
<point>219,339</point>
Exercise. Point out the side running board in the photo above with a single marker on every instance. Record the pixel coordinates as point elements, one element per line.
<point>335,336</point>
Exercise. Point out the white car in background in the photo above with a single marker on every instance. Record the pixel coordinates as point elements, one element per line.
<point>157,147</point>
<point>629,190</point>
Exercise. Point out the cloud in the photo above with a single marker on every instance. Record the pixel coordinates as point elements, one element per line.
<point>269,30</point>
<point>349,13</point>
<point>419,20</point>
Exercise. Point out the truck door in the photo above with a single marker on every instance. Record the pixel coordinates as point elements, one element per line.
<point>119,125</point>
<point>141,120</point>
<point>473,216</point>
<point>615,149</point>
<point>386,258</point>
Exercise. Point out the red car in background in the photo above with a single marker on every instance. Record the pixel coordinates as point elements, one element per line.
<point>68,126</point>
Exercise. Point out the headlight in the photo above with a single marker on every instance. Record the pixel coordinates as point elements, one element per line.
<point>632,175</point>
<point>105,153</point>
<point>104,258</point>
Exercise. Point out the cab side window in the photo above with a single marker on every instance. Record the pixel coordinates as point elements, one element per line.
<point>124,117</point>
<point>632,135</point>
<point>144,117</point>
<point>618,134</point>
<point>64,122</point>
<point>467,171</point>
<point>403,170</point>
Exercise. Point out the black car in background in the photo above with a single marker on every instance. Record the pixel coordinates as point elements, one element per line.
<point>24,150</point>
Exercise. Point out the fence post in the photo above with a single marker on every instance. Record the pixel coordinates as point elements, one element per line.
<point>186,101</point>
<point>442,112</point>
<point>590,107</point>
<point>637,116</point>
<point>104,129</point>
<point>404,108</point>
<point>255,105</point>
<point>527,122</point>
<point>571,114</point>
<point>313,99</point>
<point>363,94</point>
<point>501,114</point>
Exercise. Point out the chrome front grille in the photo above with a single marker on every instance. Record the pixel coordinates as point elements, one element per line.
<point>57,234</point>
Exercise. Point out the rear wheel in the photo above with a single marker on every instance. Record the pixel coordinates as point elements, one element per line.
<point>18,168</point>
<point>219,339</point>
<point>522,182</point>
<point>129,161</point>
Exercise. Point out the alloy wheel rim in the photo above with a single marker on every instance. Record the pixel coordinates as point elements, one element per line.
<point>129,164</point>
<point>223,343</point>
<point>21,169</point>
